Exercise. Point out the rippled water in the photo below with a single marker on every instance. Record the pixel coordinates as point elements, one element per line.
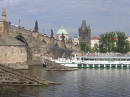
<point>80,83</point>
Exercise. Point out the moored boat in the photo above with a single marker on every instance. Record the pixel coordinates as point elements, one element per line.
<point>95,62</point>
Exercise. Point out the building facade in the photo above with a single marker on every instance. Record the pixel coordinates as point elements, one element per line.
<point>85,34</point>
<point>61,32</point>
<point>128,39</point>
<point>94,41</point>
<point>76,41</point>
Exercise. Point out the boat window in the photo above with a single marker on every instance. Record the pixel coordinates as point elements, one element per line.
<point>84,65</point>
<point>79,65</point>
<point>86,59</point>
<point>104,59</point>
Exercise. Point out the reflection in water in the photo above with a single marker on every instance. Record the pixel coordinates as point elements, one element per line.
<point>18,91</point>
<point>80,83</point>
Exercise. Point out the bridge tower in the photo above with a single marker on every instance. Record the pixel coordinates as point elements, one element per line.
<point>85,34</point>
<point>4,25</point>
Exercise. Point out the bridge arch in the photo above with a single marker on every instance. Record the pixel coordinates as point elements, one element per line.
<point>44,41</point>
<point>22,39</point>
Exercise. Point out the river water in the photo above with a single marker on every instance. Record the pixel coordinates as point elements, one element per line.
<point>79,83</point>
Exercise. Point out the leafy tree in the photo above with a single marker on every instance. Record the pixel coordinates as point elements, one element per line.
<point>123,45</point>
<point>62,37</point>
<point>85,48</point>
<point>114,42</point>
<point>88,48</point>
<point>127,46</point>
<point>102,43</point>
<point>95,48</point>
<point>107,42</point>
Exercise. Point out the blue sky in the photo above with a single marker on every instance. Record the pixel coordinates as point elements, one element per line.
<point>102,15</point>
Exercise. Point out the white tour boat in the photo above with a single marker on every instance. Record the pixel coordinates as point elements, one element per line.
<point>95,62</point>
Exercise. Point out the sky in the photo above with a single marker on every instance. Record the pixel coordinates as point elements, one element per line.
<point>102,15</point>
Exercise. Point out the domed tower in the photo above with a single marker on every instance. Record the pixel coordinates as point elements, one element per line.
<point>60,34</point>
<point>85,34</point>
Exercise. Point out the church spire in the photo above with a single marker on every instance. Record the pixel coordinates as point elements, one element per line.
<point>84,26</point>
<point>36,26</point>
<point>3,14</point>
<point>89,28</point>
<point>52,33</point>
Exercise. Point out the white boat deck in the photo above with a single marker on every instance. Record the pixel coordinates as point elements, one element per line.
<point>95,61</point>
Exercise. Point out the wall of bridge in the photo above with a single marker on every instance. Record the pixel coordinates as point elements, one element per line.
<point>12,54</point>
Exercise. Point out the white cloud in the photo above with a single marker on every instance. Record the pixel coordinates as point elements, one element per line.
<point>32,10</point>
<point>9,2</point>
<point>13,1</point>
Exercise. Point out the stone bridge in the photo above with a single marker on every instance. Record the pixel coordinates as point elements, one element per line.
<point>38,44</point>
<point>29,36</point>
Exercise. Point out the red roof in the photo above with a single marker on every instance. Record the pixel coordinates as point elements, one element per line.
<point>116,39</point>
<point>95,37</point>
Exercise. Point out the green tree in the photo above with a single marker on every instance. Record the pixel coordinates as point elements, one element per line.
<point>85,48</point>
<point>102,43</point>
<point>95,48</point>
<point>127,46</point>
<point>107,42</point>
<point>123,46</point>
<point>62,37</point>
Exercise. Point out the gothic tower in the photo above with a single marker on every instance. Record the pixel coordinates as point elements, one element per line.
<point>85,34</point>
<point>4,25</point>
<point>36,26</point>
